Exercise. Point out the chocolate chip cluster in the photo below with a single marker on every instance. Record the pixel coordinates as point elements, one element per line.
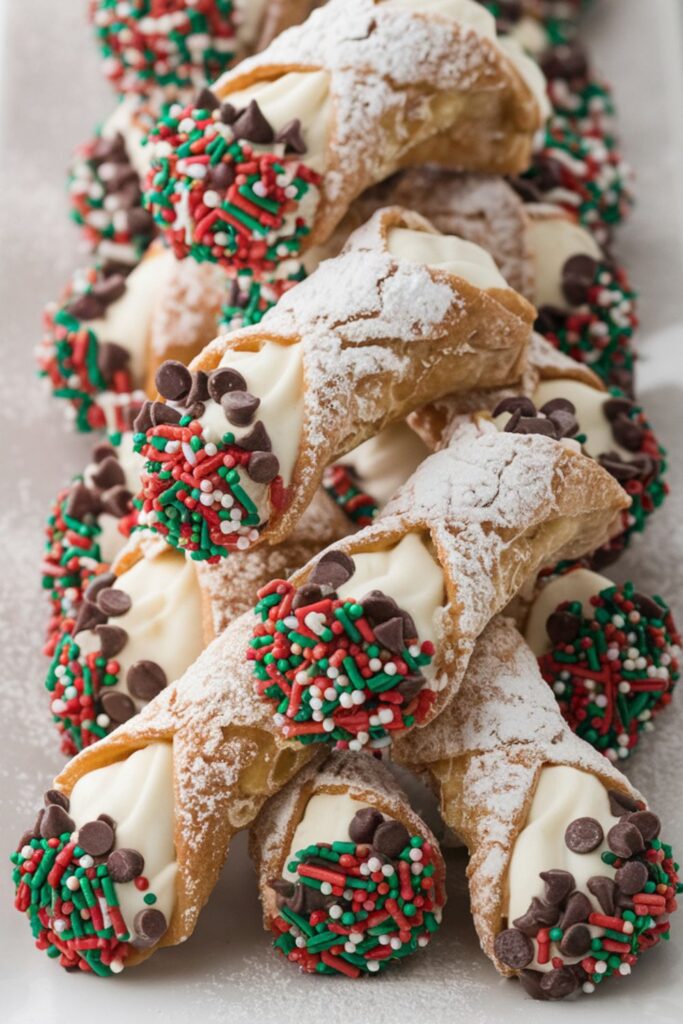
<point>105,490</point>
<point>628,434</point>
<point>251,124</point>
<point>556,419</point>
<point>118,179</point>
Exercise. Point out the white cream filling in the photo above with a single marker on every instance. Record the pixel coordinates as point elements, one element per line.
<point>326,819</point>
<point>298,94</point>
<point>553,239</point>
<point>446,252</point>
<point>588,403</point>
<point>273,373</point>
<point>562,795</point>
<point>384,462</point>
<point>128,320</point>
<point>407,572</point>
<point>481,21</point>
<point>138,794</point>
<point>164,623</point>
<point>580,585</point>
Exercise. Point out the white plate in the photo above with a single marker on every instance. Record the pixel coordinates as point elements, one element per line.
<point>52,95</point>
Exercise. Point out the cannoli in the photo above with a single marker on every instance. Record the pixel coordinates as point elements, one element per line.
<point>176,45</point>
<point>488,516</point>
<point>610,654</point>
<point>569,881</point>
<point>105,339</point>
<point>88,527</point>
<point>351,879</point>
<point>403,315</point>
<point>140,625</point>
<point>267,162</point>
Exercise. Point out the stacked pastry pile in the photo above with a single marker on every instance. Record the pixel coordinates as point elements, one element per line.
<point>330,506</point>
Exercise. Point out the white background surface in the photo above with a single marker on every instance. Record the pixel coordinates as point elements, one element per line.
<point>51,97</point>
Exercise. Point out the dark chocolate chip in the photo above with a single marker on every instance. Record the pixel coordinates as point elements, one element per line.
<point>111,359</point>
<point>604,890</point>
<point>114,602</point>
<point>253,126</point>
<point>86,307</point>
<point>647,823</point>
<point>292,137</point>
<point>109,820</point>
<point>577,911</point>
<point>101,582</point>
<point>514,948</point>
<point>25,839</point>
<point>257,440</point>
<point>81,502</point>
<point>563,627</point>
<point>558,885</point>
<point>390,634</point>
<point>225,379</point>
<point>53,796</point>
<point>309,593</point>
<point>143,420</point>
<point>283,889</point>
<point>410,687</point>
<point>109,289</point>
<point>333,570</point>
<point>379,607</point>
<point>117,501</point>
<point>55,822</point>
<point>583,835</point>
<point>118,706</point>
<point>613,408</point>
<point>96,838</point>
<point>124,865</point>
<point>576,941</point>
<point>102,451</point>
<point>149,925</point>
<point>628,434</point>
<point>567,62</point>
<point>631,877</point>
<point>648,607</point>
<point>162,414</point>
<point>515,403</point>
<point>240,407</point>
<point>221,176</point>
<point>625,839</point>
<point>559,983</point>
<point>539,915</point>
<point>620,803</point>
<point>531,983</point>
<point>364,824</point>
<point>578,275</point>
<point>173,380</point>
<point>89,616</point>
<point>139,221</point>
<point>199,392</point>
<point>206,100</point>
<point>263,467</point>
<point>532,425</point>
<point>108,473</point>
<point>228,113</point>
<point>557,405</point>
<point>145,679</point>
<point>565,423</point>
<point>391,839</point>
<point>617,467</point>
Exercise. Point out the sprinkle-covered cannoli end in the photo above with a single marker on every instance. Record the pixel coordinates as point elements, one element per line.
<point>355,907</point>
<point>342,671</point>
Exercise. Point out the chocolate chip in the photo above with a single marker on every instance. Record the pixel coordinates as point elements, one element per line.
<point>364,824</point>
<point>292,137</point>
<point>263,467</point>
<point>514,948</point>
<point>173,380</point>
<point>253,126</point>
<point>378,607</point>
<point>391,839</point>
<point>118,706</point>
<point>576,941</point>
<point>53,796</point>
<point>647,823</point>
<point>648,606</point>
<point>162,414</point>
<point>228,113</point>
<point>145,679</point>
<point>577,910</point>
<point>101,582</point>
<point>206,100</point>
<point>81,502</point>
<point>550,320</point>
<point>109,289</point>
<point>199,391</point>
<point>86,307</point>
<point>139,221</point>
<point>563,627</point>
<point>532,425</point>
<point>566,62</point>
<point>583,835</point>
<point>102,451</point>
<point>333,570</point>
<point>143,421</point>
<point>565,423</point>
<point>306,900</point>
<point>55,822</point>
<point>531,983</point>
<point>578,275</point>
<point>628,434</point>
<point>111,359</point>
<point>109,820</point>
<point>114,602</point>
<point>559,983</point>
<point>309,593</point>
<point>604,890</point>
<point>149,925</point>
<point>124,865</point>
<point>96,838</point>
<point>390,634</point>
<point>257,440</point>
<point>515,403</point>
<point>410,687</point>
<point>625,839</point>
<point>613,408</point>
<point>283,888</point>
<point>221,176</point>
<point>558,885</point>
<point>620,803</point>
<point>223,380</point>
<point>617,467</point>
<point>631,877</point>
<point>25,839</point>
<point>89,616</point>
<point>108,473</point>
<point>240,407</point>
<point>117,501</point>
